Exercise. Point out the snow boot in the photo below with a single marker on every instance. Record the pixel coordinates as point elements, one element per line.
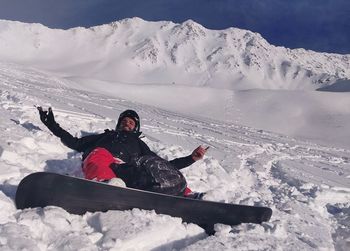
<point>193,195</point>
<point>116,182</point>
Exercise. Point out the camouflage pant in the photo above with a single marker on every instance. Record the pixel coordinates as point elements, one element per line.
<point>152,173</point>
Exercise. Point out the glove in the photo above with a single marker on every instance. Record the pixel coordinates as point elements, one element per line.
<point>47,117</point>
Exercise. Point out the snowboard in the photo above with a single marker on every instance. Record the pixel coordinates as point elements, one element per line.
<point>78,196</point>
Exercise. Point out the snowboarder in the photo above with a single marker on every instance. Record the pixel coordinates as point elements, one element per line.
<point>121,158</point>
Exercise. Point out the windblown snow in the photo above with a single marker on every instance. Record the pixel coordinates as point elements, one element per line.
<point>191,86</point>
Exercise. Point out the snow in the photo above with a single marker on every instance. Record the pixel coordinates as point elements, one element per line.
<point>274,145</point>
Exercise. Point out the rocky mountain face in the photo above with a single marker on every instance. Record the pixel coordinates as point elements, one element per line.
<point>137,51</point>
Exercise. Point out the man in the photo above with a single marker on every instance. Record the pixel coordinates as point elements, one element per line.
<point>118,156</point>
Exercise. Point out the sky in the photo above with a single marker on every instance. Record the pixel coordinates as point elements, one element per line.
<point>319,25</point>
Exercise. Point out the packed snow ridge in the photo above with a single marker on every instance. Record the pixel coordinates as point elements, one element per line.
<point>137,51</point>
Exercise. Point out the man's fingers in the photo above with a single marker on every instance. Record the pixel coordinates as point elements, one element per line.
<point>199,152</point>
<point>45,114</point>
<point>202,149</point>
<point>41,111</point>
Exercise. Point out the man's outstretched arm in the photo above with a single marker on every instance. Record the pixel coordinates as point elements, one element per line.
<point>196,155</point>
<point>78,144</point>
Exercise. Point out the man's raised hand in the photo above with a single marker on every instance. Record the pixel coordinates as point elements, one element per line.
<point>46,117</point>
<point>199,153</point>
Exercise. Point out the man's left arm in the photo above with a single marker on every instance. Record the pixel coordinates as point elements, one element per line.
<point>196,155</point>
<point>145,150</point>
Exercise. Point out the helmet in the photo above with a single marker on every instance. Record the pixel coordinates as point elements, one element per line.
<point>130,114</point>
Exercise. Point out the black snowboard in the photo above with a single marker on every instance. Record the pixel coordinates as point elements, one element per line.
<point>78,196</point>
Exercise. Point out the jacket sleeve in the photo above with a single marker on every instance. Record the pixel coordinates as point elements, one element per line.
<point>183,162</point>
<point>145,150</point>
<point>78,144</point>
<point>179,163</point>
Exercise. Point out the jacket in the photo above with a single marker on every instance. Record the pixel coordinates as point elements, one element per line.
<point>121,144</point>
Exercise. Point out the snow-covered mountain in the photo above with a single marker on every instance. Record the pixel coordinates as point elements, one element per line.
<point>137,51</point>
<point>234,75</point>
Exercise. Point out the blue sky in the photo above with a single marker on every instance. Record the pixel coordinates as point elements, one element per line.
<point>320,25</point>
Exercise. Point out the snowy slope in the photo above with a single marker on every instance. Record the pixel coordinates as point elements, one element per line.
<point>306,185</point>
<point>226,89</point>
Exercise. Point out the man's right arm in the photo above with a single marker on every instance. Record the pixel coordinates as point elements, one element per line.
<point>78,144</point>
<point>75,143</point>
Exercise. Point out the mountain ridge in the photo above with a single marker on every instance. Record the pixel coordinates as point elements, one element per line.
<point>137,51</point>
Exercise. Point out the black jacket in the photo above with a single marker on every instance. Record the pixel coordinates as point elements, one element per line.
<point>123,145</point>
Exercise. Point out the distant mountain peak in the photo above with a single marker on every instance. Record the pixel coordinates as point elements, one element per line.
<point>138,51</point>
<point>189,30</point>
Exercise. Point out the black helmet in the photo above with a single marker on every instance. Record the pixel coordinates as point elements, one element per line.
<point>130,114</point>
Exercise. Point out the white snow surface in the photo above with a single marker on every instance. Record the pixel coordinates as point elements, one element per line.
<point>230,99</point>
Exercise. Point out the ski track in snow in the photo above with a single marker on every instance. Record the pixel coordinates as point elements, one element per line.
<point>306,185</point>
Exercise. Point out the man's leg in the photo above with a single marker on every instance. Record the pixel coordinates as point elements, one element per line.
<point>155,174</point>
<point>96,165</point>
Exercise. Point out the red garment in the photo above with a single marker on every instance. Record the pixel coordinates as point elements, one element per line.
<point>96,165</point>
<point>187,191</point>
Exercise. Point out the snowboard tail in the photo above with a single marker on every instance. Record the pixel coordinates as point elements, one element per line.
<point>78,196</point>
